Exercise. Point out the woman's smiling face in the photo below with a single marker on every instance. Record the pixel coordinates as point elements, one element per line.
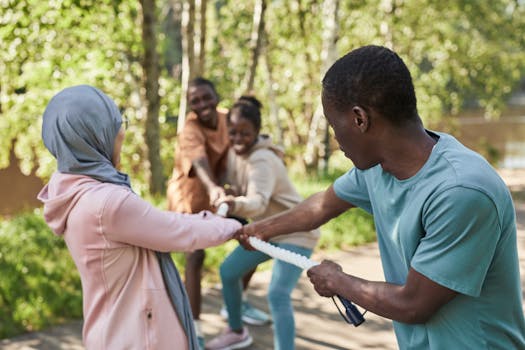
<point>242,133</point>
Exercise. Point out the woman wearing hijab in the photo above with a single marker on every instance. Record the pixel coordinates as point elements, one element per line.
<point>133,297</point>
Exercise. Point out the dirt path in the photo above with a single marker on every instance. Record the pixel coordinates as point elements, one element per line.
<point>318,324</point>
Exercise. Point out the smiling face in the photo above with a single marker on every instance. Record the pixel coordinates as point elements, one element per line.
<point>203,100</point>
<point>242,133</point>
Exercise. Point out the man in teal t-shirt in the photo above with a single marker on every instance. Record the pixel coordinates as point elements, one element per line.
<point>445,220</point>
<point>457,229</point>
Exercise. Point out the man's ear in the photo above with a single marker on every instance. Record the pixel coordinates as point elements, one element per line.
<point>361,118</point>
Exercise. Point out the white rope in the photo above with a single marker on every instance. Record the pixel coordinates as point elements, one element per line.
<point>353,315</point>
<point>275,252</point>
<point>222,210</point>
<point>282,254</point>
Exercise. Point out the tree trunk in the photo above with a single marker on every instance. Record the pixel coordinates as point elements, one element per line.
<point>172,29</point>
<point>150,67</point>
<point>274,107</point>
<point>200,50</point>
<point>256,41</point>
<point>295,139</point>
<point>188,53</point>
<point>308,102</point>
<point>317,151</point>
<point>193,49</point>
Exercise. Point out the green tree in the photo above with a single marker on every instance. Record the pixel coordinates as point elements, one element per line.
<point>46,46</point>
<point>460,53</point>
<point>150,68</point>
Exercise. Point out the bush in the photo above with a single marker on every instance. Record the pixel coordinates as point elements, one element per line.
<point>351,228</point>
<point>40,285</point>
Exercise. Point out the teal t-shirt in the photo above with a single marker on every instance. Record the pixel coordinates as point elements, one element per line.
<point>454,222</point>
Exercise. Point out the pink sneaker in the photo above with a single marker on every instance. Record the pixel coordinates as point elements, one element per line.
<point>230,340</point>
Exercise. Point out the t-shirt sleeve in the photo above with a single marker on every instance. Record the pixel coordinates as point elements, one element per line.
<point>351,187</point>
<point>192,146</point>
<point>461,234</point>
<point>127,218</point>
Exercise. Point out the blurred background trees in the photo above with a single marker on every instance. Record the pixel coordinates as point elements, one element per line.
<point>142,53</point>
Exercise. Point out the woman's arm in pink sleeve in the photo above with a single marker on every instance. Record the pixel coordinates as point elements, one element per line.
<point>127,218</point>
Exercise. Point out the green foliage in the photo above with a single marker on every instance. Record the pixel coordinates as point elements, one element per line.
<point>40,285</point>
<point>46,46</point>
<point>351,228</point>
<point>459,52</point>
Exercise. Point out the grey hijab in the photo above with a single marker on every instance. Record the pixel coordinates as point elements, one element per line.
<point>79,128</point>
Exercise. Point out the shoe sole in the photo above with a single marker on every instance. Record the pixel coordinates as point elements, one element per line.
<point>247,320</point>
<point>247,342</point>
<point>254,322</point>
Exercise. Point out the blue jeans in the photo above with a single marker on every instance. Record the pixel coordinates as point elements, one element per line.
<point>284,280</point>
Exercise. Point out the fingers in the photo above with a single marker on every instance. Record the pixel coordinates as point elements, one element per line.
<point>323,277</point>
<point>215,194</point>
<point>245,233</point>
<point>243,240</point>
<point>229,200</point>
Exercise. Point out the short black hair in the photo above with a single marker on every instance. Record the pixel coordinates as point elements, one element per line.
<point>249,108</point>
<point>199,81</point>
<point>372,77</point>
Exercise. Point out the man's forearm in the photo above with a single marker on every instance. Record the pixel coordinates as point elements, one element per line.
<point>299,218</point>
<point>204,173</point>
<point>307,215</point>
<point>381,298</point>
<point>415,302</point>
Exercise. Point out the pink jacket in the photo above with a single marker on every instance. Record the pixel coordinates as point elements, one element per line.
<point>112,234</point>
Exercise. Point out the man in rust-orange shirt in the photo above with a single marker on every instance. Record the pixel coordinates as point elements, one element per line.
<point>200,163</point>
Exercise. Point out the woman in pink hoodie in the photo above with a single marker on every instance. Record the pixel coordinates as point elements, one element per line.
<point>133,297</point>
